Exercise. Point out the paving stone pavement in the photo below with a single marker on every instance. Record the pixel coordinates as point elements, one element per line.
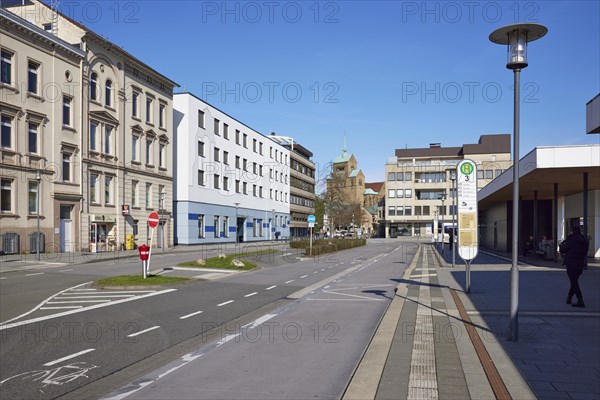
<point>557,354</point>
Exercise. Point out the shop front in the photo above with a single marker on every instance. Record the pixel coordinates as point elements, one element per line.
<point>103,233</point>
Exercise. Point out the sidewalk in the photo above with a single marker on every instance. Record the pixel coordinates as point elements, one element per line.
<point>426,347</point>
<point>15,262</point>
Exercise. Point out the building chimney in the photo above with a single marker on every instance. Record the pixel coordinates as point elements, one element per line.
<point>435,145</point>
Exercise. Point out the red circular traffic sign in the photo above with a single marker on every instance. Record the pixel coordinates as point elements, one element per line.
<point>153,219</point>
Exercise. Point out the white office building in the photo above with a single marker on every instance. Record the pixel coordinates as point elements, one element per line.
<point>231,183</point>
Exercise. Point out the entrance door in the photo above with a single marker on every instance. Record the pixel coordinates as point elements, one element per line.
<point>240,229</point>
<point>65,228</point>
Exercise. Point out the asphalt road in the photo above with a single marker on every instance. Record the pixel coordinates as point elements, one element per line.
<point>90,353</point>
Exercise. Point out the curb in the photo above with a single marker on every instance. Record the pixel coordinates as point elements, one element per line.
<point>367,375</point>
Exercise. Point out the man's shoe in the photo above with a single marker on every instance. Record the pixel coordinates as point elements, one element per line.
<point>580,304</point>
<point>568,300</point>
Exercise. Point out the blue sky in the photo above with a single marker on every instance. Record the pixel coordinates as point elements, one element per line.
<point>389,74</point>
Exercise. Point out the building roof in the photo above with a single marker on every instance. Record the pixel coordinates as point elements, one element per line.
<point>370,191</point>
<point>15,4</point>
<point>354,173</point>
<point>15,19</point>
<point>543,167</point>
<point>375,186</point>
<point>371,210</point>
<point>345,157</point>
<point>487,144</point>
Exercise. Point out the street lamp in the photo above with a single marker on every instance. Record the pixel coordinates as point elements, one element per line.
<point>38,179</point>
<point>274,224</point>
<point>516,36</point>
<point>161,199</point>
<point>443,197</point>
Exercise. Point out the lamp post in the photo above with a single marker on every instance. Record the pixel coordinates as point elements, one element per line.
<point>454,230</point>
<point>516,36</point>
<point>161,199</point>
<point>38,179</point>
<point>443,197</point>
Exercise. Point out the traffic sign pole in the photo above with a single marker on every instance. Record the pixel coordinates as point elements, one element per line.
<point>311,223</point>
<point>153,220</point>
<point>468,235</point>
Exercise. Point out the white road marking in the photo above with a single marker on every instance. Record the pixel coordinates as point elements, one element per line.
<point>251,294</point>
<point>303,276</point>
<point>97,296</point>
<point>271,287</point>
<point>84,290</point>
<point>191,315</point>
<point>144,331</point>
<point>48,364</point>
<point>7,325</point>
<point>77,301</point>
<point>37,273</point>
<point>115,292</point>
<point>60,308</point>
<point>290,281</point>
<point>316,272</point>
<point>3,277</point>
<point>65,270</point>
<point>225,303</point>
<point>322,269</point>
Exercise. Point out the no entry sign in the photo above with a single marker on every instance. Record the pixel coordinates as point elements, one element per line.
<point>153,219</point>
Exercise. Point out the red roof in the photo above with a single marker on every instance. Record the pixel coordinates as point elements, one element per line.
<point>374,186</point>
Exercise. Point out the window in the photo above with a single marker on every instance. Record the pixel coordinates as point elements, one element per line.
<point>216,225</point>
<point>6,67</point>
<point>391,193</point>
<point>149,110</point>
<point>400,193</point>
<point>271,194</point>
<point>254,168</point>
<point>260,191</point>
<point>254,145</point>
<point>225,133</point>
<point>200,226</point>
<point>225,229</point>
<point>260,227</point>
<point>225,157</point>
<point>32,198</point>
<point>94,86</point>
<point>408,176</point>
<point>161,115</point>
<point>33,138</point>
<point>260,170</point>
<point>426,210</point>
<point>47,27</point>
<point>260,148</point>
<point>237,136</point>
<point>498,172</point>
<point>94,189</point>
<point>226,183</point>
<point>417,210</point>
<point>479,174</point>
<point>245,140</point>
<point>400,176</point>
<point>200,177</point>
<point>32,77</point>
<point>216,154</point>
<point>93,132</point>
<point>200,148</point>
<point>245,187</point>
<point>201,119</point>
<point>162,155</point>
<point>134,147</point>
<point>245,165</point>
<point>391,176</point>
<point>135,104</point>
<point>134,193</point>
<point>489,174</point>
<point>237,186</point>
<point>148,152</point>
<point>107,139</point>
<point>217,123</point>
<point>6,132</point>
<point>67,110</point>
<point>408,193</point>
<point>66,167</point>
<point>254,190</point>
<point>237,162</point>
<point>254,227</point>
<point>216,181</point>
<point>271,152</point>
<point>392,211</point>
<point>407,210</point>
<point>108,190</point>
<point>148,195</point>
<point>6,195</point>
<point>108,93</point>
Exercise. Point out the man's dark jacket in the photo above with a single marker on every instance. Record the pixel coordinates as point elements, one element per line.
<point>575,248</point>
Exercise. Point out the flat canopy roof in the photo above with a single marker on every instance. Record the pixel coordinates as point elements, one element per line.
<point>541,169</point>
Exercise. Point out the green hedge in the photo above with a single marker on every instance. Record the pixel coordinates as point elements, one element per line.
<point>327,245</point>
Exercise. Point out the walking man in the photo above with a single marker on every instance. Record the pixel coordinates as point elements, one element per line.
<point>575,248</point>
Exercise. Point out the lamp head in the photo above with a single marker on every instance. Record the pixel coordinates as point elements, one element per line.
<point>516,36</point>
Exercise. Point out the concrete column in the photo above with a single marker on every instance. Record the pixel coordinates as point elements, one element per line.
<point>585,204</point>
<point>535,218</point>
<point>555,221</point>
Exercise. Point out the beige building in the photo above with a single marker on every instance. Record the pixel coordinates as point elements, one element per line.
<point>302,186</point>
<point>126,137</point>
<point>419,197</point>
<point>40,140</point>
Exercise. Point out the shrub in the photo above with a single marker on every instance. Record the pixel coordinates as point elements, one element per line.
<point>327,245</point>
